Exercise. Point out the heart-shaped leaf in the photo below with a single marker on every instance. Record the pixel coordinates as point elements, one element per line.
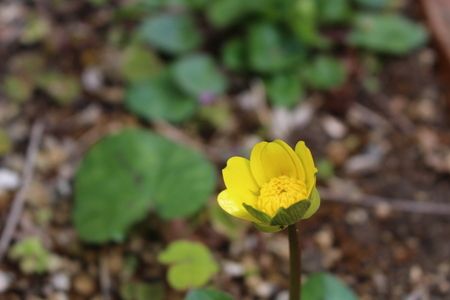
<point>270,50</point>
<point>198,75</point>
<point>324,286</point>
<point>126,174</point>
<point>207,294</point>
<point>174,34</point>
<point>285,90</point>
<point>325,73</point>
<point>191,264</point>
<point>390,34</point>
<point>159,98</point>
<point>140,63</point>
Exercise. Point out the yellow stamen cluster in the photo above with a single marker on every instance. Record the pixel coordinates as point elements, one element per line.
<point>282,191</point>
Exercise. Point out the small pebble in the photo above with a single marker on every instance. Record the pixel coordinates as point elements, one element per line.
<point>264,289</point>
<point>415,274</point>
<point>60,281</point>
<point>333,127</point>
<point>284,295</point>
<point>92,79</point>
<point>5,281</point>
<point>58,296</point>
<point>383,210</point>
<point>357,216</point>
<point>233,269</point>
<point>324,238</point>
<point>9,180</point>
<point>84,284</point>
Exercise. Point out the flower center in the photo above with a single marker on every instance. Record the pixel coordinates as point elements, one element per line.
<point>282,191</point>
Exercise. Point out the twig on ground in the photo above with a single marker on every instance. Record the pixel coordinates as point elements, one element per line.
<point>20,197</point>
<point>401,205</point>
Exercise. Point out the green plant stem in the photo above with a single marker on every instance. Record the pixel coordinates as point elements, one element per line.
<point>295,263</point>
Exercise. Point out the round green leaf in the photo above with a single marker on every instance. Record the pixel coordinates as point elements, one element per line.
<point>207,294</point>
<point>269,50</point>
<point>223,13</point>
<point>174,34</point>
<point>126,174</point>
<point>198,75</point>
<point>139,63</point>
<point>285,90</point>
<point>142,291</point>
<point>233,55</point>
<point>191,264</point>
<point>324,286</point>
<point>376,3</point>
<point>332,12</point>
<point>63,88</point>
<point>390,34</point>
<point>159,98</point>
<point>325,73</point>
<point>17,88</point>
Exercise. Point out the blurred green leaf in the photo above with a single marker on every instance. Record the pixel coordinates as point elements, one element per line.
<point>390,34</point>
<point>324,286</point>
<point>274,10</point>
<point>36,28</point>
<point>32,256</point>
<point>219,114</point>
<point>159,98</point>
<point>324,73</point>
<point>207,294</point>
<point>17,88</point>
<point>5,142</point>
<point>198,4</point>
<point>28,64</point>
<point>63,88</point>
<point>326,169</point>
<point>98,3</point>
<point>191,264</point>
<point>376,3</point>
<point>335,11</point>
<point>269,50</point>
<point>174,34</point>
<point>233,55</point>
<point>285,90</point>
<point>304,22</point>
<point>198,75</point>
<point>140,63</point>
<point>174,4</point>
<point>223,13</point>
<point>142,291</point>
<point>126,174</point>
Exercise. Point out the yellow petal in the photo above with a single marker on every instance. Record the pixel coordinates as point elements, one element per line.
<point>269,160</point>
<point>308,164</point>
<point>237,175</point>
<point>230,203</point>
<point>295,159</point>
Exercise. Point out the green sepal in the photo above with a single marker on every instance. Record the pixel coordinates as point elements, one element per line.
<point>314,199</point>
<point>268,228</point>
<point>292,214</point>
<point>259,215</point>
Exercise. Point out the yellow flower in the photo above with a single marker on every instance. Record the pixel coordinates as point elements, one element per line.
<point>273,189</point>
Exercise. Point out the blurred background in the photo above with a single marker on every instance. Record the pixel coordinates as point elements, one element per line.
<point>118,115</point>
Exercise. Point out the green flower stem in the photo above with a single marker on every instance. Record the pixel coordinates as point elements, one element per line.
<point>295,263</point>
